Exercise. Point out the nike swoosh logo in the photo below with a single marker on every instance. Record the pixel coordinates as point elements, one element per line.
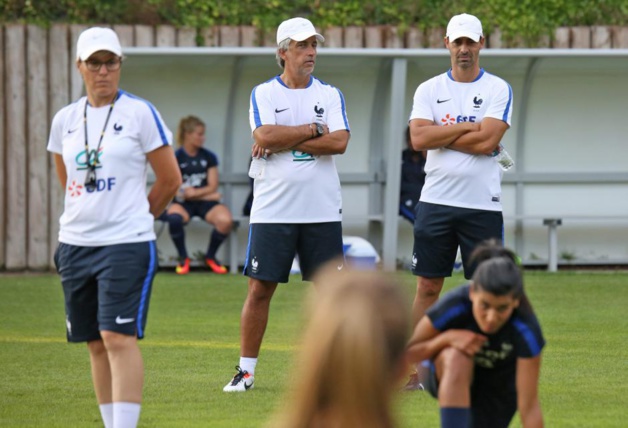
<point>247,386</point>
<point>72,130</point>
<point>124,320</point>
<point>340,267</point>
<point>279,111</point>
<point>443,101</point>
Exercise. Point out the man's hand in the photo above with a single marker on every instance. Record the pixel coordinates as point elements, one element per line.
<point>258,152</point>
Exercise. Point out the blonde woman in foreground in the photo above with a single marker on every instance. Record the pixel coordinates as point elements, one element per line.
<point>352,355</point>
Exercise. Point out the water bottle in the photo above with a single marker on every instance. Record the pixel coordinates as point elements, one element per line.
<point>256,169</point>
<point>179,195</point>
<point>503,158</point>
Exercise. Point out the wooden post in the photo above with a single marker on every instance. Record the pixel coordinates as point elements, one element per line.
<point>581,37</point>
<point>393,38</point>
<point>38,178</point>
<point>620,37</point>
<point>165,36</point>
<point>210,37</point>
<point>416,40</point>
<point>436,38</point>
<point>269,39</point>
<point>494,40</point>
<point>186,37</point>
<point>16,165</point>
<point>76,81</point>
<point>3,144</point>
<point>373,37</point>
<point>601,37</point>
<point>144,36</point>
<point>229,36</point>
<point>125,34</point>
<point>333,37</point>
<point>354,37</point>
<point>59,96</point>
<point>562,38</point>
<point>249,36</point>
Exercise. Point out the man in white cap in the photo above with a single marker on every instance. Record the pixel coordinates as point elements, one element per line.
<point>298,124</point>
<point>459,117</point>
<point>102,145</point>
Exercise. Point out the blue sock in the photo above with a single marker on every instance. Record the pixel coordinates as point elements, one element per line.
<point>175,226</point>
<point>455,417</point>
<point>215,241</point>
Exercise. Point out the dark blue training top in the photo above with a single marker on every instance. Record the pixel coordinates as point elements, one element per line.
<point>194,168</point>
<point>493,391</point>
<point>412,177</point>
<point>520,337</point>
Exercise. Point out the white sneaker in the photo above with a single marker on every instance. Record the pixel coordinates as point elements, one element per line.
<point>242,381</point>
<point>413,383</point>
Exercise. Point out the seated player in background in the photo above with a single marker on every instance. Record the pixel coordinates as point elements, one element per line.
<point>412,179</point>
<point>483,344</point>
<point>198,195</point>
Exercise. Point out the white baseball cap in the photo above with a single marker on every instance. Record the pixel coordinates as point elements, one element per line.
<point>464,25</point>
<point>97,39</point>
<point>297,29</point>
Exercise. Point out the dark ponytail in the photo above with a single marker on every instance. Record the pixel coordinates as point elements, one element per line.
<point>498,272</point>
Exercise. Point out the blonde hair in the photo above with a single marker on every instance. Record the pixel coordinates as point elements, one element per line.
<point>352,353</point>
<point>186,125</point>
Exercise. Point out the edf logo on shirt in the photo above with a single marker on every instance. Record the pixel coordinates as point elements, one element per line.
<point>103,184</point>
<point>450,119</point>
<point>76,189</point>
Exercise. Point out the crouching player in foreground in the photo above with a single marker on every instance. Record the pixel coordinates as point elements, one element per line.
<point>483,344</point>
<point>352,355</point>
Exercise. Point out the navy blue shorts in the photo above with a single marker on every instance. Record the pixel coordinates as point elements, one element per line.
<point>198,208</point>
<point>272,247</point>
<point>106,288</point>
<point>440,229</point>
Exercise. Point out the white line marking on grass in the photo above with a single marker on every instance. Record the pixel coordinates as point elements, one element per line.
<point>157,343</point>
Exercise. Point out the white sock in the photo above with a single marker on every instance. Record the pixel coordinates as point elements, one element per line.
<point>248,365</point>
<point>106,412</point>
<point>126,415</point>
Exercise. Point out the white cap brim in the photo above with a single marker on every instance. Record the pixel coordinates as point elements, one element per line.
<point>299,37</point>
<point>456,35</point>
<point>93,49</point>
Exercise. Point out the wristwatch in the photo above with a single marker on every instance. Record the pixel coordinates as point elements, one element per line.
<point>319,129</point>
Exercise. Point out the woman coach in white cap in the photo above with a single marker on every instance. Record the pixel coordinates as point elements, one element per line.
<point>102,145</point>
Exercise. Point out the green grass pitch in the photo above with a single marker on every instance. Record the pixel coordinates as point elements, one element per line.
<point>192,345</point>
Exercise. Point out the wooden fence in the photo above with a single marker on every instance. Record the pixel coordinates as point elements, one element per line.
<point>38,77</point>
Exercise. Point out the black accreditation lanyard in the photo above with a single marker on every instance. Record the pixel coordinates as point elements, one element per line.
<point>90,178</point>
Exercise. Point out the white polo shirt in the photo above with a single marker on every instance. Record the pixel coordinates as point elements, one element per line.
<point>454,178</point>
<point>297,187</point>
<point>117,211</point>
